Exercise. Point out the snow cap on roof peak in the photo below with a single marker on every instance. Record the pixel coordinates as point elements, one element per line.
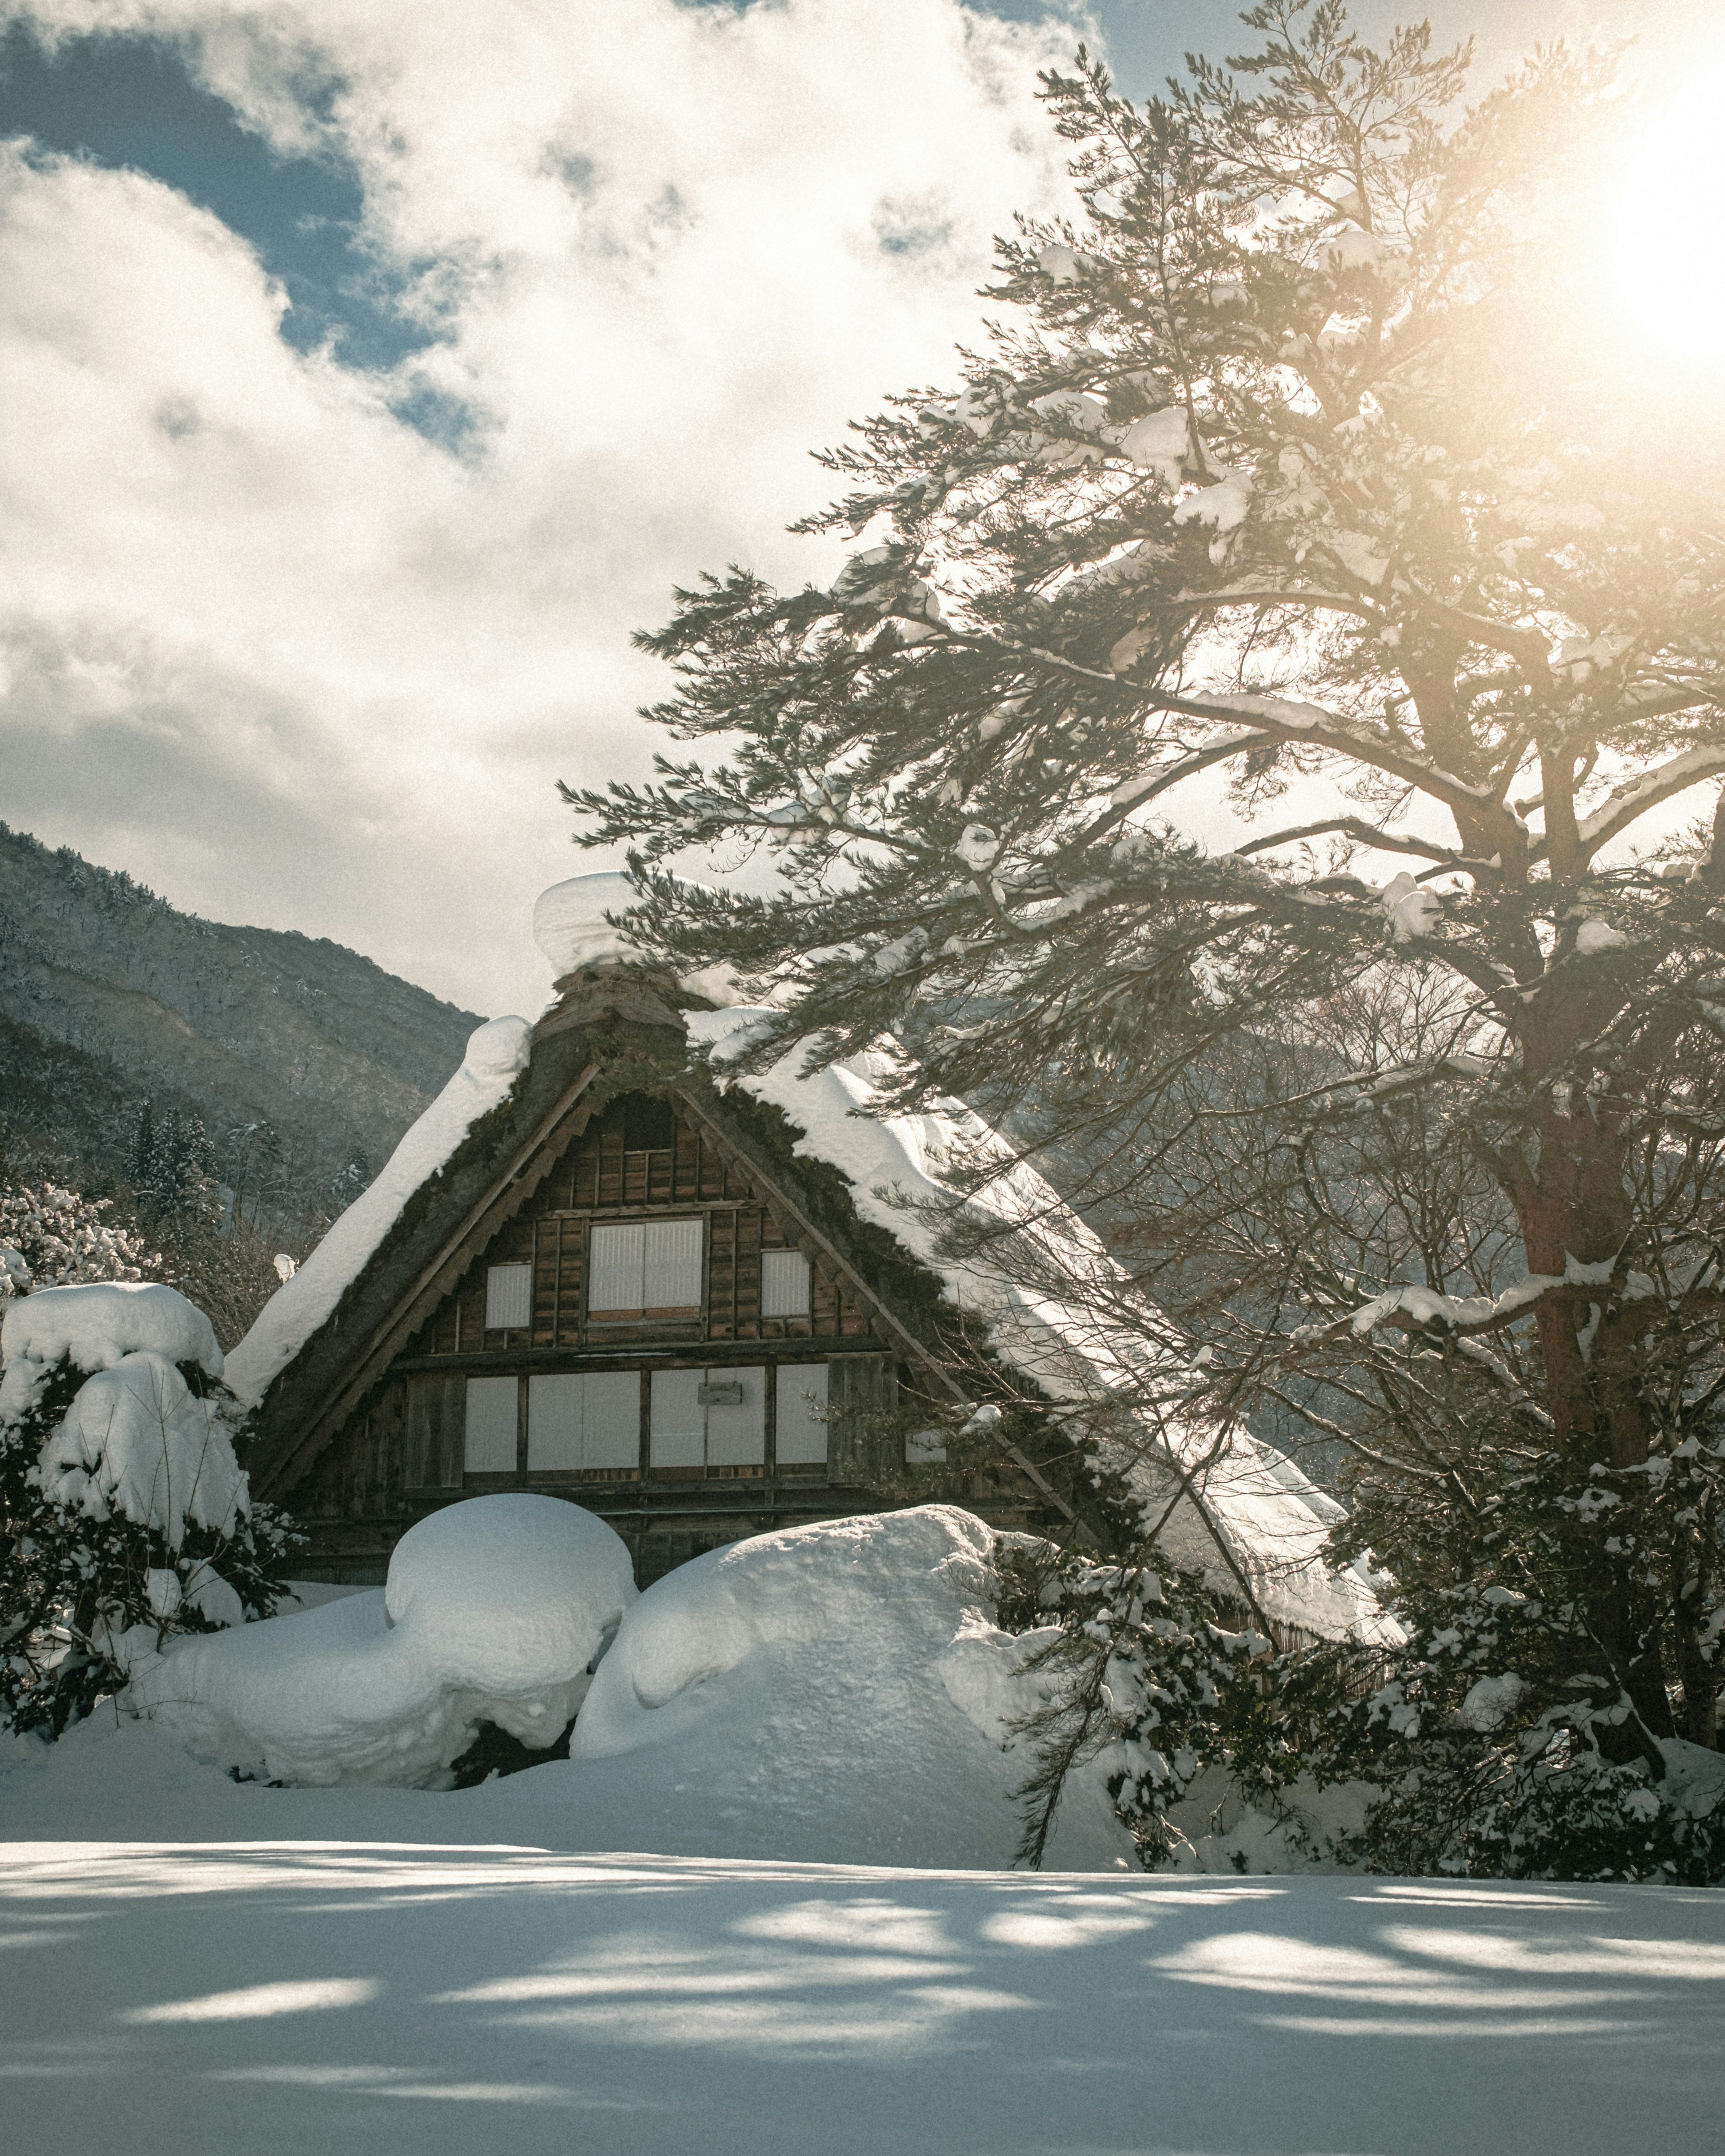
<point>569,923</point>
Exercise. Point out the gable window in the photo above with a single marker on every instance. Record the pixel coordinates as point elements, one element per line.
<point>785,1284</point>
<point>509,1298</point>
<point>648,1268</point>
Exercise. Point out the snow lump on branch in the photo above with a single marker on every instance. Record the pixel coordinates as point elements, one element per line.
<point>136,1442</point>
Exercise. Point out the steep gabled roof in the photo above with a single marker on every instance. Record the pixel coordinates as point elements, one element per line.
<point>468,1166</point>
<point>1054,1301</point>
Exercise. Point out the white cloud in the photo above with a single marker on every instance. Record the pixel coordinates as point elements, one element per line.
<point>287,661</point>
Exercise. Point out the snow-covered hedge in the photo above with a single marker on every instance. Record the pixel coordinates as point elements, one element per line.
<point>125,1515</point>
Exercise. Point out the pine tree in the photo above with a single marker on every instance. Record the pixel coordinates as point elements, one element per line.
<point>352,1178</point>
<point>143,1148</point>
<point>1315,462</point>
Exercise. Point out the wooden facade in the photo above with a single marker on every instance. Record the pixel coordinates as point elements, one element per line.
<point>624,1288</point>
<point>460,1410</point>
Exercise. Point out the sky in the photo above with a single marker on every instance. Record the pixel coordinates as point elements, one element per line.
<point>371,369</point>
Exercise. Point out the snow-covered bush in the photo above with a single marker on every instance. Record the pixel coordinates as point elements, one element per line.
<point>1498,1753</point>
<point>494,1612</point>
<point>51,1237</point>
<point>54,1236</point>
<point>125,1515</point>
<point>1495,1742</point>
<point>1143,1686</point>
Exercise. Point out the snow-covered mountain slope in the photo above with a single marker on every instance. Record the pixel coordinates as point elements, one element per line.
<point>109,996</point>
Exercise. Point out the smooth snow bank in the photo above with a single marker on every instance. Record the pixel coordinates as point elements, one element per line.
<point>497,1054</point>
<point>137,1442</point>
<point>569,923</point>
<point>838,1691</point>
<point>374,1991</point>
<point>1255,1514</point>
<point>93,1326</point>
<point>493,1611</point>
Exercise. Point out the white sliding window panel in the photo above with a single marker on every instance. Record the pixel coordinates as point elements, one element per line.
<point>736,1429</point>
<point>616,1259</point>
<point>490,1425</point>
<point>509,1298</point>
<point>591,1421</point>
<point>785,1284</point>
<point>671,1266</point>
<point>678,1421</point>
<point>799,1427</point>
<point>554,1424</point>
<point>611,1418</point>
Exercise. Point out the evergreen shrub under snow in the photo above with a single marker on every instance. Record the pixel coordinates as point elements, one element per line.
<point>124,1515</point>
<point>1483,1747</point>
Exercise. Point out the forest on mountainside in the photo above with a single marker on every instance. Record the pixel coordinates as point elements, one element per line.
<point>285,1067</point>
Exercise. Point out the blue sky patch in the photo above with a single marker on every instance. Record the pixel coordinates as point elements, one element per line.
<point>128,102</point>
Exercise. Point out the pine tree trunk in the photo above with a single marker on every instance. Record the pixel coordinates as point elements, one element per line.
<point>1577,1204</point>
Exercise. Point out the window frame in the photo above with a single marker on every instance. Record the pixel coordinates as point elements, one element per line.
<point>495,1291</point>
<point>645,1313</point>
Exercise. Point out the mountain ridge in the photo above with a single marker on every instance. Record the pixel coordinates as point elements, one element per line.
<point>109,997</point>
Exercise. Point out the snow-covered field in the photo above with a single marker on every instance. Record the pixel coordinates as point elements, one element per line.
<point>345,1994</point>
<point>826,1950</point>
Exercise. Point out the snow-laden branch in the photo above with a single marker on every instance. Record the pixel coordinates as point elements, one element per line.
<point>1364,1087</point>
<point>1281,717</point>
<point>1290,720</point>
<point>1628,802</point>
<point>1414,1309</point>
<point>1367,835</point>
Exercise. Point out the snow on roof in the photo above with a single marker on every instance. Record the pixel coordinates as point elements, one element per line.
<point>569,923</point>
<point>497,1054</point>
<point>1273,1519</point>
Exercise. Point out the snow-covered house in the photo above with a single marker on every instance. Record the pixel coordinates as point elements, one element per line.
<point>699,1305</point>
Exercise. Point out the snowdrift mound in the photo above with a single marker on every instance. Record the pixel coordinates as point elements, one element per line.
<point>494,1611</point>
<point>835,1693</point>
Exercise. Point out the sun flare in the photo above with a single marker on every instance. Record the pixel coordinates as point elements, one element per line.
<point>1670,225</point>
